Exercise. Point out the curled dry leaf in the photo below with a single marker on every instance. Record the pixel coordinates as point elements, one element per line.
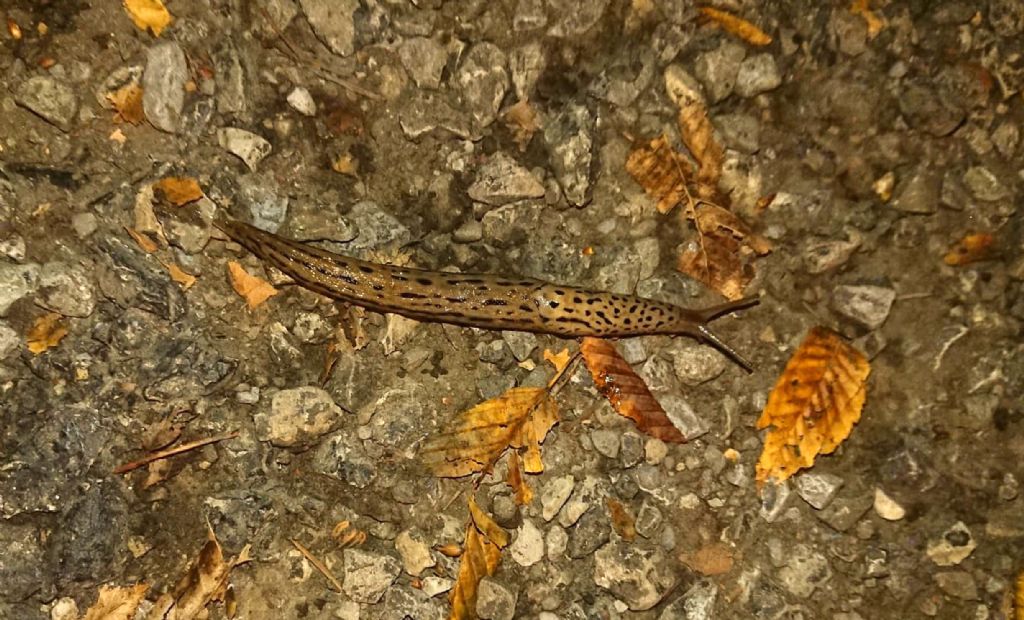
<point>208,580</point>
<point>737,26</point>
<point>178,191</point>
<point>661,171</point>
<point>142,240</point>
<point>254,290</point>
<point>117,602</point>
<point>814,404</point>
<point>699,137</point>
<point>149,15</point>
<point>519,418</point>
<point>127,104</point>
<point>46,332</point>
<point>522,120</point>
<point>626,391</point>
<point>719,257</point>
<point>622,520</point>
<point>524,494</point>
<point>480,557</point>
<point>970,249</point>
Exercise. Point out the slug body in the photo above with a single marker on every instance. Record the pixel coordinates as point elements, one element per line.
<point>485,301</point>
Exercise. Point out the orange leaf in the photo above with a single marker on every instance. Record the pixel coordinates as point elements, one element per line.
<point>863,8</point>
<point>148,15</point>
<point>117,602</point>
<point>699,137</point>
<point>127,102</point>
<point>519,418</point>
<point>559,360</point>
<point>627,392</point>
<point>1018,597</point>
<point>480,557</point>
<point>717,259</point>
<point>622,521</point>
<point>524,494</point>
<point>254,290</point>
<point>179,275</point>
<point>661,172</point>
<point>814,404</point>
<point>148,245</point>
<point>713,559</point>
<point>738,26</point>
<point>178,191</point>
<point>970,249</point>
<point>47,331</point>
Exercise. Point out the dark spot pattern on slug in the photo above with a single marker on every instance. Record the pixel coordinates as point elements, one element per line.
<point>410,295</point>
<point>424,281</point>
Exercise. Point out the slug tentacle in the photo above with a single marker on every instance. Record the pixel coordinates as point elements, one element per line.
<point>485,301</point>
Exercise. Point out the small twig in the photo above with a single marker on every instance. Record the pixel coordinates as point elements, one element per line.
<point>162,454</point>
<point>320,566</point>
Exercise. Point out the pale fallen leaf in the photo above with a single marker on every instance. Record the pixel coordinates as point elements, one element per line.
<point>117,602</point>
<point>254,290</point>
<point>179,275</point>
<point>143,241</point>
<point>127,104</point>
<point>480,557</point>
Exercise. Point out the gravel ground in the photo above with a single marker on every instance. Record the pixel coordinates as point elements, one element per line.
<point>862,155</point>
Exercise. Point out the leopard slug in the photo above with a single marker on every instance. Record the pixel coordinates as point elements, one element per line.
<point>485,301</point>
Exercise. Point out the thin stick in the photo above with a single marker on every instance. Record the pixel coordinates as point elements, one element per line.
<point>162,454</point>
<point>320,566</point>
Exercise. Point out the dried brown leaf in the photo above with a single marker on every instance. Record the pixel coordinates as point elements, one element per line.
<point>524,494</point>
<point>626,391</point>
<point>661,171</point>
<point>178,191</point>
<point>699,137</point>
<point>814,405</point>
<point>142,240</point>
<point>972,248</point>
<point>623,522</point>
<point>117,602</point>
<point>254,290</point>
<point>712,559</point>
<point>523,121</point>
<point>127,104</point>
<point>875,23</point>
<point>46,332</point>
<point>179,275</point>
<point>480,557</point>
<point>148,15</point>
<point>737,26</point>
<point>520,418</point>
<point>711,218</point>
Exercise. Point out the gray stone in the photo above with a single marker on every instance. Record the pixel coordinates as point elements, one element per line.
<point>367,575</point>
<point>696,363</point>
<point>302,101</point>
<point>804,571</point>
<point>273,17</point>
<point>717,69</point>
<point>163,85</point>
<point>494,601</point>
<point>298,417</point>
<point>984,185</point>
<point>683,417</point>
<point>843,513</point>
<point>414,551</point>
<point>377,228</point>
<point>9,340</point>
<point>919,193</point>
<point>887,507</point>
<point>590,532</point>
<point>866,305</point>
<point>402,601</point>
<point>66,289</point>
<point>959,584</point>
<point>605,441</point>
<point>230,80</point>
<point>955,545</point>
<point>1006,138</point>
<point>521,344</point>
<point>502,180</point>
<point>266,205</point>
<point>505,510</point>
<point>528,547</point>
<point>470,231</point>
<point>924,108</point>
<point>245,145</point>
<point>758,74</point>
<point>84,224</point>
<point>682,88</point>
<point>50,98</point>
<point>823,256</point>
<point>16,281</point>
<point>698,603</point>
<point>775,499</point>
<point>570,141</point>
<point>655,451</point>
<point>850,31</point>
<point>424,59</point>
<point>631,449</point>
<point>527,64</point>
<point>556,542</point>
<point>426,111</point>
<point>741,132</point>
<point>818,490</point>
<point>637,576</point>
<point>484,81</point>
<point>575,17</point>
<point>648,520</point>
<point>21,571</point>
<point>333,22</point>
<point>556,492</point>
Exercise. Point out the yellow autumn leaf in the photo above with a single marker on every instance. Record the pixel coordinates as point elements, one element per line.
<point>863,8</point>
<point>972,248</point>
<point>142,240</point>
<point>254,290</point>
<point>522,489</point>
<point>178,191</point>
<point>520,419</point>
<point>737,26</point>
<point>47,331</point>
<point>814,405</point>
<point>179,275</point>
<point>149,15</point>
<point>117,602</point>
<point>480,556</point>
<point>127,102</point>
